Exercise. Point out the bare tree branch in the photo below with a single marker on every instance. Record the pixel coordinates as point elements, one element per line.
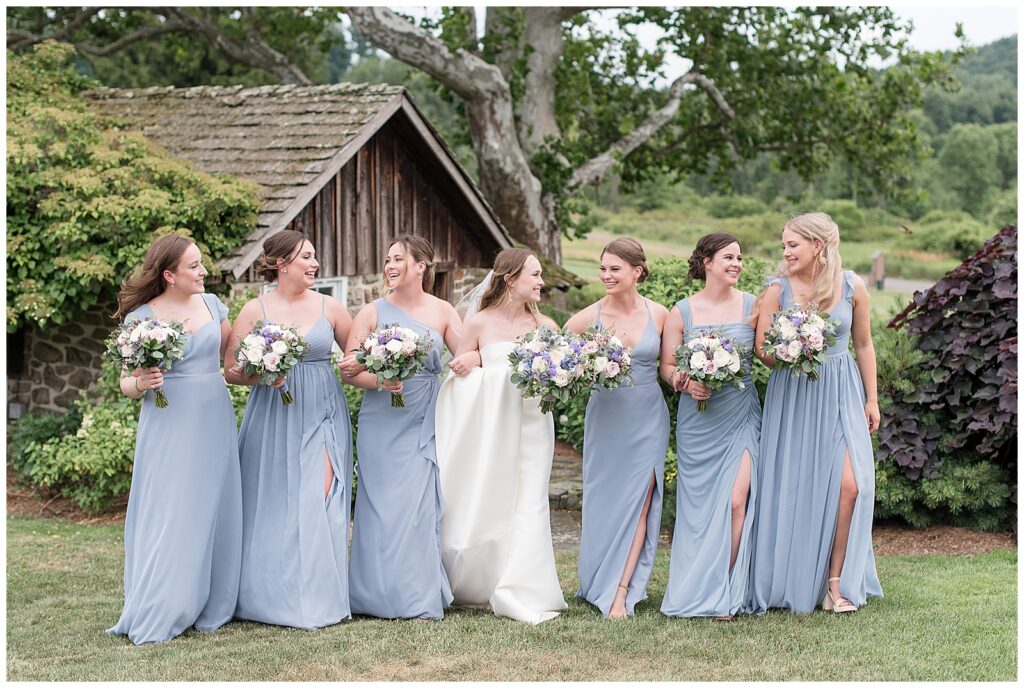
<point>593,171</point>
<point>169,26</point>
<point>467,75</point>
<point>24,39</point>
<point>254,52</point>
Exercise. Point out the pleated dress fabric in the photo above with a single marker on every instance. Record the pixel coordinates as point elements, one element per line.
<point>625,437</point>
<point>396,569</point>
<point>808,427</point>
<point>494,452</point>
<point>294,539</point>
<point>709,449</point>
<point>182,532</point>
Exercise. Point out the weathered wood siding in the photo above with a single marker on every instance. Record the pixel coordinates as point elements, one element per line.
<point>392,186</point>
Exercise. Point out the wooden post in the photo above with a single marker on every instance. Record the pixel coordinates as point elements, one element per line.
<point>878,270</point>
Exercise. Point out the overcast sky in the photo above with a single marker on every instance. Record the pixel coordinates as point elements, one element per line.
<point>934,24</point>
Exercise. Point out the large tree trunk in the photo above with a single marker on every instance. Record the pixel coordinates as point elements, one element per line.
<point>512,190</point>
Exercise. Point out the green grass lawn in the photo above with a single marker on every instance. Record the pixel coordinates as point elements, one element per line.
<point>943,618</point>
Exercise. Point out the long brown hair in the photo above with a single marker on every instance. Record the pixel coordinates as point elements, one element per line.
<point>284,245</point>
<point>631,251</point>
<point>148,282</point>
<point>420,251</point>
<point>508,265</point>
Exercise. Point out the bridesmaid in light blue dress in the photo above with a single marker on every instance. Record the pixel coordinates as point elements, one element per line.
<point>296,460</point>
<point>715,448</point>
<point>812,527</point>
<point>182,532</point>
<point>625,437</point>
<point>396,570</point>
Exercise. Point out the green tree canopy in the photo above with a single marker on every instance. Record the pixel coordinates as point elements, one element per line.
<point>85,199</point>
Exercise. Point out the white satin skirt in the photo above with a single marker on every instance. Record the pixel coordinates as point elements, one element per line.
<point>494,452</point>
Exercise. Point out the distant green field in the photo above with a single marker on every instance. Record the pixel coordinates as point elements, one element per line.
<point>674,230</point>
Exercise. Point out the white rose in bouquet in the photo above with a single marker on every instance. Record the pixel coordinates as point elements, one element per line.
<point>279,347</point>
<point>722,358</point>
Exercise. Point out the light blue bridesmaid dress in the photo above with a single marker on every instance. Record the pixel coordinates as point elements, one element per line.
<point>183,531</point>
<point>294,540</point>
<point>396,569</point>
<point>625,437</point>
<point>808,427</point>
<point>709,447</point>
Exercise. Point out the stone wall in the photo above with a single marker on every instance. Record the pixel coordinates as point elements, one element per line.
<point>60,361</point>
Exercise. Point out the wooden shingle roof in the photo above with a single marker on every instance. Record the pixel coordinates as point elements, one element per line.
<point>289,139</point>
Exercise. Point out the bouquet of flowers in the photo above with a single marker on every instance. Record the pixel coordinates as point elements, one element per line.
<point>270,351</point>
<point>549,365</point>
<point>712,360</point>
<point>799,338</point>
<point>607,360</point>
<point>394,353</point>
<point>147,343</point>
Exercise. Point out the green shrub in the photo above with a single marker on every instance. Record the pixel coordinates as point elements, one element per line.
<point>735,206</point>
<point>93,466</point>
<point>948,390</point>
<point>668,506</point>
<point>847,215</point>
<point>37,429</point>
<point>952,232</point>
<point>966,493</point>
<point>1004,209</point>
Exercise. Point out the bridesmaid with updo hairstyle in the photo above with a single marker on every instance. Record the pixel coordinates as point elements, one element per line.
<point>396,570</point>
<point>812,529</point>
<point>296,459</point>
<point>625,438</point>
<point>716,448</point>
<point>182,532</point>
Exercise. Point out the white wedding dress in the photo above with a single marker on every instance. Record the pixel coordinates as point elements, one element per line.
<point>494,451</point>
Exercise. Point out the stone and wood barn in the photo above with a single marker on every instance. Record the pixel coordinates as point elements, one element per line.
<point>349,165</point>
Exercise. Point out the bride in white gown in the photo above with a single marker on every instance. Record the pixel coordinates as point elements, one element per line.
<point>494,452</point>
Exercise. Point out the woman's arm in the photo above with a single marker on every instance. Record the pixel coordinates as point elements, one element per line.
<point>671,339</point>
<point>453,334</point>
<point>135,384</point>
<point>242,327</point>
<point>581,321</point>
<point>767,304</point>
<point>365,322</point>
<point>864,349</point>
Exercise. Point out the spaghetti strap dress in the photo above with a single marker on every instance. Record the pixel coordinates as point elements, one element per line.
<point>294,539</point>
<point>625,437</point>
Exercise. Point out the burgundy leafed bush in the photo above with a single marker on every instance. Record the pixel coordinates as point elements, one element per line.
<point>967,405</point>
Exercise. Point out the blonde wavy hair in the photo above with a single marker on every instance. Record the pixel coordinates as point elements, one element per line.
<point>819,227</point>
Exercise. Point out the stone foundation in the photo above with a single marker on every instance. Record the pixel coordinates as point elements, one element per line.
<point>61,361</point>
